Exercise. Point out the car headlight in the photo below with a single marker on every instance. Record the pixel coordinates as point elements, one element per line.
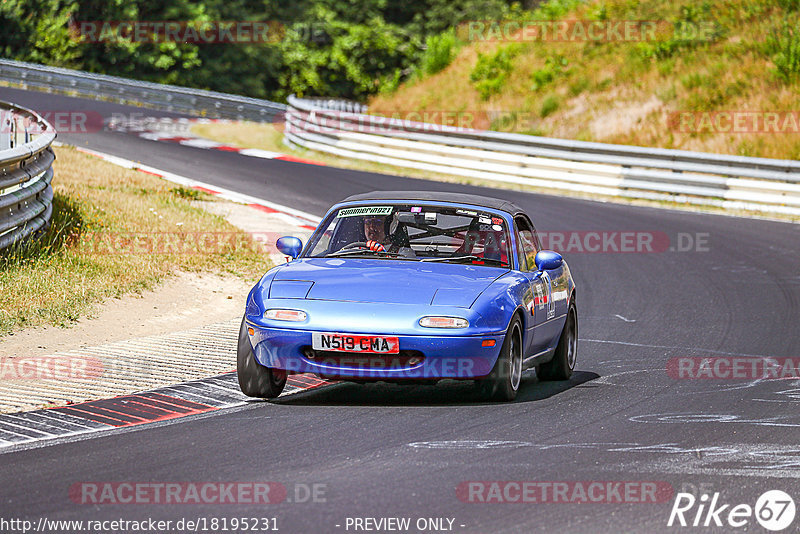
<point>443,322</point>
<point>285,315</point>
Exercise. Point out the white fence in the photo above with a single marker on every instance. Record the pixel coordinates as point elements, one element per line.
<point>734,182</point>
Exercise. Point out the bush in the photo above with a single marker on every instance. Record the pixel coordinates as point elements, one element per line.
<point>352,60</point>
<point>440,51</point>
<point>491,71</point>
<point>690,30</point>
<point>554,66</point>
<point>784,47</point>
<point>549,106</point>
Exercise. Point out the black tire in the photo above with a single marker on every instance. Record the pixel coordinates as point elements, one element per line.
<point>563,362</point>
<point>255,380</point>
<point>503,382</point>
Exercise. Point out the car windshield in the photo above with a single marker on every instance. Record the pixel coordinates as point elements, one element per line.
<point>414,232</point>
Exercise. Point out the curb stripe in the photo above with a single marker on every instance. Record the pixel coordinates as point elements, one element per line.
<point>201,142</point>
<point>302,217</point>
<point>168,403</point>
<point>263,208</point>
<point>300,160</point>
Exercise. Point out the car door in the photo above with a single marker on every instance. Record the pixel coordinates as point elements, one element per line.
<point>541,309</point>
<point>559,297</point>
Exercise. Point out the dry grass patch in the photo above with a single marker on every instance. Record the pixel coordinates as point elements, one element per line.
<point>626,92</point>
<point>114,232</point>
<point>262,135</point>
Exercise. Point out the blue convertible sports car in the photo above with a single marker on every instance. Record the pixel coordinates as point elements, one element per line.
<point>408,287</point>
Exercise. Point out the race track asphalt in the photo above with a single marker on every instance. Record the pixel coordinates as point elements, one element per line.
<point>389,451</point>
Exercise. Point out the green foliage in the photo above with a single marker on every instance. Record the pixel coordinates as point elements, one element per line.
<point>692,28</point>
<point>67,223</point>
<point>491,71</point>
<point>554,66</point>
<point>549,106</point>
<point>440,50</point>
<point>783,46</point>
<point>604,84</point>
<point>695,79</point>
<point>556,9</point>
<point>789,5</point>
<point>347,49</point>
<point>354,60</point>
<point>579,86</point>
<point>37,31</point>
<point>432,17</point>
<point>599,12</point>
<point>188,193</point>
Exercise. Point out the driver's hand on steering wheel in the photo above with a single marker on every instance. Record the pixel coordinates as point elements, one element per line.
<point>375,246</point>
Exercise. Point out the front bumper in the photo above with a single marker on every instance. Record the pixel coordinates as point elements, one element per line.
<point>458,357</point>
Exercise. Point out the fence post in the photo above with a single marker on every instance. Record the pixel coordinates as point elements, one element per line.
<point>5,129</point>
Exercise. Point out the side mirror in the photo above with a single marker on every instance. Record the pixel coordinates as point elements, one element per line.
<point>547,260</point>
<point>291,246</point>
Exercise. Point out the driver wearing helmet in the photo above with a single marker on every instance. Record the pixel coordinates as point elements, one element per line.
<point>375,234</point>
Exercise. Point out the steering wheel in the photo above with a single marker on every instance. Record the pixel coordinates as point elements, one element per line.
<point>356,244</point>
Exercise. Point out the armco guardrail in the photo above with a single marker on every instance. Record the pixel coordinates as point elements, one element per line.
<point>734,182</point>
<point>26,159</point>
<point>153,95</point>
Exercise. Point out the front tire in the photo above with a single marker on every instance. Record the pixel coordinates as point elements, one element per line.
<point>255,380</point>
<point>503,382</point>
<point>563,362</point>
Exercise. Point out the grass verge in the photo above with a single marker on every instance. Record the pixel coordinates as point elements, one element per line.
<point>114,232</point>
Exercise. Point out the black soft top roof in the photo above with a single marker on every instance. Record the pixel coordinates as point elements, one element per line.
<point>440,196</point>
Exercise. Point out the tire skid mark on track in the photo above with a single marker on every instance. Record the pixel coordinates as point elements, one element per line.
<point>162,404</point>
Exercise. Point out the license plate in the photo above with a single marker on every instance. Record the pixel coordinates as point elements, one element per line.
<point>355,343</point>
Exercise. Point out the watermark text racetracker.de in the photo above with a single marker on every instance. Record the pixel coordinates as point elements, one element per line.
<point>195,492</point>
<point>566,242</point>
<point>630,241</point>
<point>733,368</point>
<point>740,121</point>
<point>178,242</point>
<point>582,31</point>
<point>175,31</point>
<point>566,492</point>
<point>87,121</point>
<point>115,526</point>
<point>50,367</point>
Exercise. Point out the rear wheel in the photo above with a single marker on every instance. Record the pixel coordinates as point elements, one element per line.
<point>255,380</point>
<point>503,382</point>
<point>563,362</point>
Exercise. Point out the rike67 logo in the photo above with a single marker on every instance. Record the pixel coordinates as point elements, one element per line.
<point>774,510</point>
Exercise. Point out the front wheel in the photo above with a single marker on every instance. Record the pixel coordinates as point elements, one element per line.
<point>255,380</point>
<point>503,382</point>
<point>563,362</point>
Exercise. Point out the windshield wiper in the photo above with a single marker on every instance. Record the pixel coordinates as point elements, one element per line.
<point>361,251</point>
<point>467,258</point>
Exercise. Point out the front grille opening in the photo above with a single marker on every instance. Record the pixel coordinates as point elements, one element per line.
<point>406,359</point>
